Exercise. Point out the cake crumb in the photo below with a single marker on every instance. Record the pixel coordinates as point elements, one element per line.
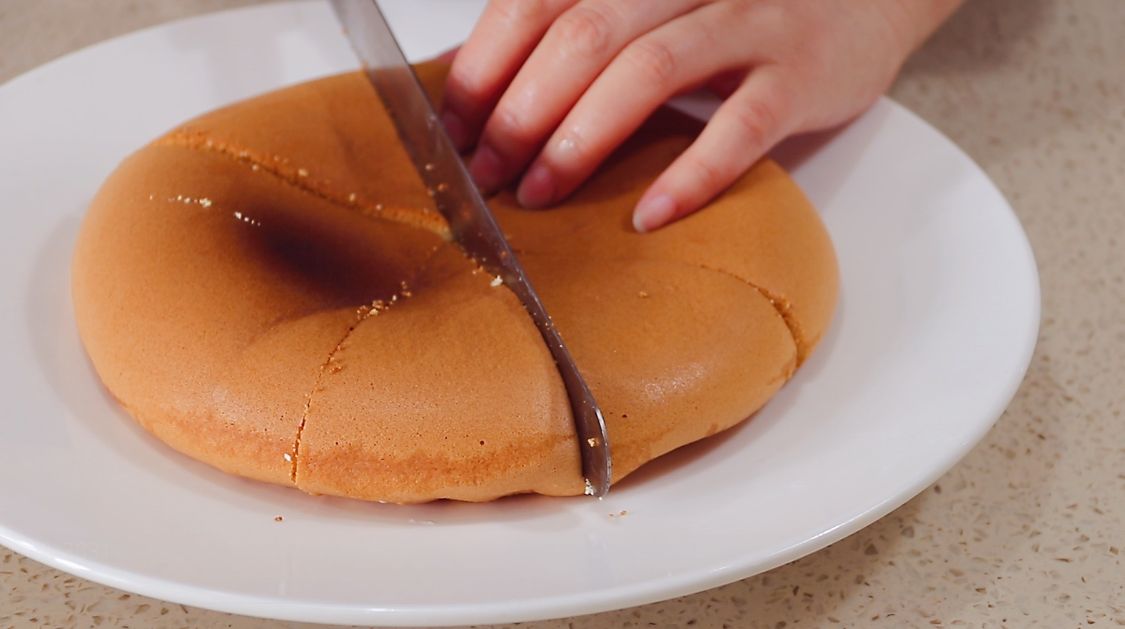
<point>643,294</point>
<point>620,514</point>
<point>589,491</point>
<point>254,167</point>
<point>592,442</point>
<point>288,457</point>
<point>278,518</point>
<point>351,198</point>
<point>301,172</point>
<point>246,219</point>
<point>496,281</point>
<point>205,202</point>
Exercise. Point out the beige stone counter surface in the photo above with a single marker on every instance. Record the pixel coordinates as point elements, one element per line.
<point>1029,529</point>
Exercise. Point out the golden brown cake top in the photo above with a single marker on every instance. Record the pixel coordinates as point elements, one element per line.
<point>269,288</point>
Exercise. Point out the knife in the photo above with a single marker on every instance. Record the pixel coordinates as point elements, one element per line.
<point>470,221</point>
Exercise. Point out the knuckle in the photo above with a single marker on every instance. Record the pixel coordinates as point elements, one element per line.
<point>745,7</point>
<point>586,29</point>
<point>509,123</point>
<point>654,60</point>
<point>517,11</point>
<point>709,175</point>
<point>745,12</point>
<point>463,87</point>
<point>756,121</point>
<point>781,28</point>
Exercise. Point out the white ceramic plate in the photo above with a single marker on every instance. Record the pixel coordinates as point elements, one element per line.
<point>938,318</point>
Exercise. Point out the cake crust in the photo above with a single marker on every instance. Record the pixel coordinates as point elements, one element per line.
<point>269,289</point>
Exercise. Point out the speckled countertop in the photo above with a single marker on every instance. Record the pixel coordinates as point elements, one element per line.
<point>1030,527</point>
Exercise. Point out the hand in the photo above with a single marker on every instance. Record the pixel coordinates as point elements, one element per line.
<point>549,88</point>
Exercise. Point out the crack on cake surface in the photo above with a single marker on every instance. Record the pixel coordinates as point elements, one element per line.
<point>781,305</point>
<point>330,365</point>
<point>280,169</point>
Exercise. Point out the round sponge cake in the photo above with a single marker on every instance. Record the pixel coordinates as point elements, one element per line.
<point>269,289</point>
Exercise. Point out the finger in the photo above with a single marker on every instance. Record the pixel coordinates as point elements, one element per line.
<point>641,78</point>
<point>499,44</point>
<point>575,49</point>
<point>757,115</point>
<point>448,56</point>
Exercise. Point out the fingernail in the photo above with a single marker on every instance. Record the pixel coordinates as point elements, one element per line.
<point>652,212</point>
<point>537,189</point>
<point>486,168</point>
<point>455,127</point>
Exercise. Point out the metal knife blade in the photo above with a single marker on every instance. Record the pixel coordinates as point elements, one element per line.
<point>471,222</point>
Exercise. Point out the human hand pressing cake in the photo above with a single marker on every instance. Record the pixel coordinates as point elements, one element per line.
<point>269,289</point>
<point>548,89</point>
